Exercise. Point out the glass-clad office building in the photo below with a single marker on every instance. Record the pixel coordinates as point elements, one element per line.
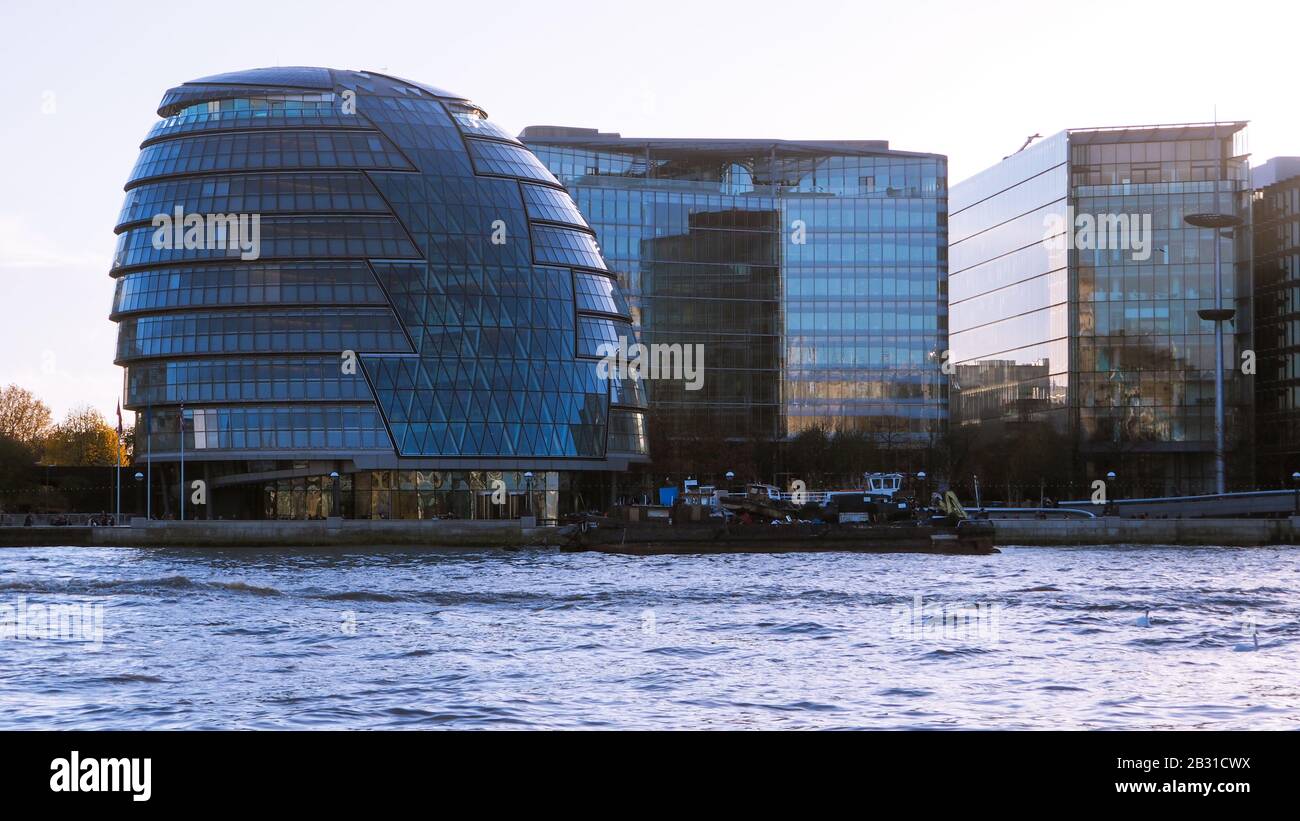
<point>1277,318</point>
<point>813,274</point>
<point>1074,288</point>
<point>323,271</point>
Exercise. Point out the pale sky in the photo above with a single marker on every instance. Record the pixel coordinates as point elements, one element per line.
<point>957,77</point>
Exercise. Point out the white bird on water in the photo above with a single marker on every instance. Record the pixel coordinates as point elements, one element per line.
<point>1144,620</point>
<point>1249,648</point>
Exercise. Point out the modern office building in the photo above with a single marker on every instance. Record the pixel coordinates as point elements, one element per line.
<point>1074,292</point>
<point>813,275</point>
<point>1277,318</point>
<point>323,272</point>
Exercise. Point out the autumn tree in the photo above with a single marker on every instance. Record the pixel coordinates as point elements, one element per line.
<point>23,417</point>
<point>82,438</point>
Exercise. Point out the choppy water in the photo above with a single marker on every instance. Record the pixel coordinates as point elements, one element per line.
<point>402,638</point>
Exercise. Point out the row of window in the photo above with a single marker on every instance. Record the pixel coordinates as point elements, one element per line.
<point>627,433</point>
<point>857,176</point>
<point>252,193</point>
<point>500,440</point>
<point>868,317</point>
<point>322,331</point>
<point>507,160</point>
<point>915,283</point>
<point>1175,389</point>
<point>564,246</point>
<point>1113,284</point>
<point>473,122</point>
<point>493,343</point>
<point>298,427</point>
<point>487,407</point>
<point>1144,317</point>
<point>529,375</point>
<point>273,150</point>
<point>244,380</point>
<point>267,238</point>
<point>598,336</point>
<point>1157,352</point>
<point>598,293</point>
<point>894,356</point>
<point>668,212</point>
<point>551,205</point>
<point>312,283</point>
<point>267,111</point>
<point>436,313</point>
<point>437,281</point>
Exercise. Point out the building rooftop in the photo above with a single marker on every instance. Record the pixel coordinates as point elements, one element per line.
<point>1145,133</point>
<point>595,139</point>
<point>1274,171</point>
<point>307,78</point>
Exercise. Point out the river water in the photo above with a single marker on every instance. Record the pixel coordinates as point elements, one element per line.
<point>1029,638</point>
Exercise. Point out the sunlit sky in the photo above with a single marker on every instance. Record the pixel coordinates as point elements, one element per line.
<point>966,79</point>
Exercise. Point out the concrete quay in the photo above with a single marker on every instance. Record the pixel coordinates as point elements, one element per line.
<point>459,533</point>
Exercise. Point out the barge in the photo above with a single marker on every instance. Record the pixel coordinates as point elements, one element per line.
<point>609,535</point>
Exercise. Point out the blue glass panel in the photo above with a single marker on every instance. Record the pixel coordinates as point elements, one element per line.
<point>507,160</point>
<point>553,245</point>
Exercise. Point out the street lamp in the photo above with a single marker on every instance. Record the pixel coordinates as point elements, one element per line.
<point>334,486</point>
<point>528,498</point>
<point>1218,314</point>
<point>1295,482</point>
<point>920,477</point>
<point>139,477</point>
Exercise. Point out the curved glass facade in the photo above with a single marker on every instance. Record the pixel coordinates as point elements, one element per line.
<point>377,275</point>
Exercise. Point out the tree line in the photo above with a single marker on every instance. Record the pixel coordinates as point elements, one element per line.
<point>30,436</point>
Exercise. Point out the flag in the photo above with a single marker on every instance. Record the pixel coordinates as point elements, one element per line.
<point>120,432</point>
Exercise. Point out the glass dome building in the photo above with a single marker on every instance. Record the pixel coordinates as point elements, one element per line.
<point>322,271</point>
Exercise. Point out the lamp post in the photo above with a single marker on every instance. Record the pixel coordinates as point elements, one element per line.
<point>528,497</point>
<point>148,462</point>
<point>1110,494</point>
<point>1217,221</point>
<point>182,425</point>
<point>726,523</point>
<point>924,500</point>
<point>1218,315</point>
<point>139,477</point>
<point>334,486</point>
<point>1295,482</point>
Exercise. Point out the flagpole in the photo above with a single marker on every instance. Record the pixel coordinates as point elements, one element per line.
<point>182,461</point>
<point>148,470</point>
<point>117,513</point>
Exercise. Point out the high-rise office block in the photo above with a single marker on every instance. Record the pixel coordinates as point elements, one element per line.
<point>1075,285</point>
